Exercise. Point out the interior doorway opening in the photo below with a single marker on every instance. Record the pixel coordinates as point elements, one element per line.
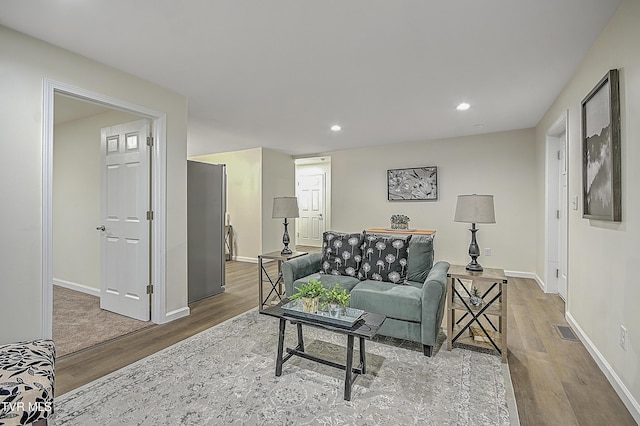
<point>80,317</point>
<point>158,190</point>
<point>557,208</point>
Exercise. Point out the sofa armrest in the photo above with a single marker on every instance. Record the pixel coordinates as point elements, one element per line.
<point>434,297</point>
<point>299,267</point>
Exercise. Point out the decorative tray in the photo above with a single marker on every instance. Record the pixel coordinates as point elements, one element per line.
<point>351,316</point>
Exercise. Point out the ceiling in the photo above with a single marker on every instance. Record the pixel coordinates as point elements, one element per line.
<point>68,109</point>
<point>279,73</point>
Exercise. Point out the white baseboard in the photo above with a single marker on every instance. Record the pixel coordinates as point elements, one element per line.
<point>622,391</point>
<point>540,283</point>
<point>245,259</point>
<point>520,274</point>
<point>176,314</point>
<point>77,287</point>
<point>530,275</point>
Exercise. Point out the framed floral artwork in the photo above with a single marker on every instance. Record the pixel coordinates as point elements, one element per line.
<point>413,184</point>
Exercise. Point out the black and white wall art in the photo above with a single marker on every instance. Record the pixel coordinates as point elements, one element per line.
<point>601,151</point>
<point>413,184</point>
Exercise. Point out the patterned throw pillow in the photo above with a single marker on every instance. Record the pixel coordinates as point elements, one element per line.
<point>341,253</point>
<point>384,258</point>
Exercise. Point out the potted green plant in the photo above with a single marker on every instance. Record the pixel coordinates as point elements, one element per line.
<point>337,300</point>
<point>476,297</point>
<point>309,294</point>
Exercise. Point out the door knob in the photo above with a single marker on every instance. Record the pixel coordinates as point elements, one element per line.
<point>100,228</point>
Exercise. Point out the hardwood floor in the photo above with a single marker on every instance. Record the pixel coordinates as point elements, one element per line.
<point>555,381</point>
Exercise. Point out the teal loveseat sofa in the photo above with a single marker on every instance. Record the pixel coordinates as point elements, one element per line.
<point>402,282</point>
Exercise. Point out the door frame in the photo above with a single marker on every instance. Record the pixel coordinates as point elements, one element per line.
<point>552,197</point>
<point>158,194</point>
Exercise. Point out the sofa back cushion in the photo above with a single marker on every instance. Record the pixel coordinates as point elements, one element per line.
<point>420,258</point>
<point>341,253</point>
<point>385,258</point>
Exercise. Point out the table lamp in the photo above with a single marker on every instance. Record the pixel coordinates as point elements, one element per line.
<point>285,207</point>
<point>474,209</point>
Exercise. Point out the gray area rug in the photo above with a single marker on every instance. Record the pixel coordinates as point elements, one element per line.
<point>79,323</point>
<point>226,375</point>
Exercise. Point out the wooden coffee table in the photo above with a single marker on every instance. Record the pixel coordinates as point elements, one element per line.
<point>365,328</point>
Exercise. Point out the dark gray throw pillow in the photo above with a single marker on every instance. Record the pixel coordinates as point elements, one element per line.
<point>385,258</point>
<point>341,253</point>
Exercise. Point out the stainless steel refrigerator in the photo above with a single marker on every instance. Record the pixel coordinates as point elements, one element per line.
<point>206,211</point>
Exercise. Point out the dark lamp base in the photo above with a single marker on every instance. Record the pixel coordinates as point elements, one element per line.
<point>474,251</point>
<point>285,239</point>
<point>474,267</point>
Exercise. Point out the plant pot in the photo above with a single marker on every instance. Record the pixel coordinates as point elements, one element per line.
<point>310,304</point>
<point>400,226</point>
<point>335,310</point>
<point>475,300</point>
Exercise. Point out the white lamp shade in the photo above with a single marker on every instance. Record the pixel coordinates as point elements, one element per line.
<point>475,209</point>
<point>284,207</point>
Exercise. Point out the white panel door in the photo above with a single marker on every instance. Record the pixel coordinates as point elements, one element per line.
<point>562,215</point>
<point>310,224</point>
<point>124,228</point>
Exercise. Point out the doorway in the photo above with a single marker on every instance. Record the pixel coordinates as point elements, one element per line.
<point>556,208</point>
<point>313,187</point>
<point>81,278</point>
<point>158,177</point>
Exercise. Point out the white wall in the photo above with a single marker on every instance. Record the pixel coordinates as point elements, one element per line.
<point>502,164</point>
<point>76,198</point>
<point>603,289</point>
<point>278,180</point>
<point>24,64</point>
<point>244,180</point>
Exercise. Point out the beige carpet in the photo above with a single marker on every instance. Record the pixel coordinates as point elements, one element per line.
<point>79,323</point>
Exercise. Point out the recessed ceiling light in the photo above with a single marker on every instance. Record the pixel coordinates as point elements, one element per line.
<point>336,128</point>
<point>463,106</point>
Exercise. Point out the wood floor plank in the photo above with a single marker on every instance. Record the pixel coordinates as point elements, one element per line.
<point>555,381</point>
<point>547,388</point>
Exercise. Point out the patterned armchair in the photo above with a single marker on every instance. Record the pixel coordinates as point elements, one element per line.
<point>26,382</point>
